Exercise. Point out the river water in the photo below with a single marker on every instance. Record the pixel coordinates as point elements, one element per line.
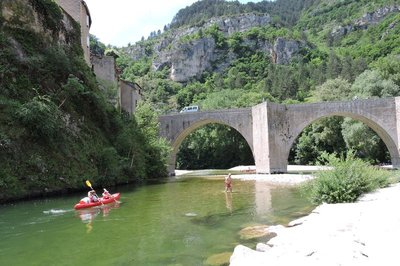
<point>179,222</point>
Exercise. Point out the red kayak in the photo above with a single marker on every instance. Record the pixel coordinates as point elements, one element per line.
<point>83,204</point>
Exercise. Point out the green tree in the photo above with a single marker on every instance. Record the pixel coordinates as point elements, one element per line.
<point>389,68</point>
<point>364,142</point>
<point>319,137</point>
<point>156,150</point>
<point>214,146</point>
<point>96,47</point>
<point>333,90</point>
<point>371,84</point>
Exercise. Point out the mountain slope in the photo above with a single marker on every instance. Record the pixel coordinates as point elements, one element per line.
<point>219,54</point>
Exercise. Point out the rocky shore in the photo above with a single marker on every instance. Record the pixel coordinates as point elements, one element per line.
<point>363,233</point>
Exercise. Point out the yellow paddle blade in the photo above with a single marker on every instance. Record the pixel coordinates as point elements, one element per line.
<point>88,183</point>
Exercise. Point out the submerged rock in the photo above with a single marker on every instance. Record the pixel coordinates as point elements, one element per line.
<point>220,259</point>
<point>256,231</point>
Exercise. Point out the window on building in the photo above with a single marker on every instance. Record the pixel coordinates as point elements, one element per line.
<point>88,41</point>
<point>87,20</point>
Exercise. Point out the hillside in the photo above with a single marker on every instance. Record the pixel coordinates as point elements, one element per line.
<point>220,54</point>
<point>56,127</point>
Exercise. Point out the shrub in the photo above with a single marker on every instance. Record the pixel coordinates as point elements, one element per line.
<point>41,117</point>
<point>348,179</point>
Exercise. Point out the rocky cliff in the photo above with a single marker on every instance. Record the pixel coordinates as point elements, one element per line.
<point>189,59</point>
<point>367,20</point>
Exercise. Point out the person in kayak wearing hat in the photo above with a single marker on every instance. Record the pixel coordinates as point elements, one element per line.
<point>93,196</point>
<point>106,194</point>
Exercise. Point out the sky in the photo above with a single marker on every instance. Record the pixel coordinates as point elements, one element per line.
<point>120,22</point>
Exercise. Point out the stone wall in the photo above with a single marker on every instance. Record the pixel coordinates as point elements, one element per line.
<point>129,96</point>
<point>104,68</point>
<point>79,11</point>
<point>21,14</point>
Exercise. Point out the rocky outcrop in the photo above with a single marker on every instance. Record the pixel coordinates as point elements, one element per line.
<point>368,19</point>
<point>22,15</point>
<point>284,50</point>
<point>191,58</point>
<point>240,23</point>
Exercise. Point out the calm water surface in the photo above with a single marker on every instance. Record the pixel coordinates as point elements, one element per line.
<point>181,222</point>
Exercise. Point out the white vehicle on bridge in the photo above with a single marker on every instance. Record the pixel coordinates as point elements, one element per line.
<point>193,108</point>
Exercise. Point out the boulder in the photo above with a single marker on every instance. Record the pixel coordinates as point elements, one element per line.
<point>256,231</point>
<point>219,259</point>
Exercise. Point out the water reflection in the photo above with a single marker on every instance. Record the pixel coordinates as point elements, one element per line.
<point>88,215</point>
<point>262,198</point>
<point>228,201</point>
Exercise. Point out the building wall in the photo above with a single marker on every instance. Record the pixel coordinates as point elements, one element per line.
<point>104,68</point>
<point>79,11</point>
<point>129,96</point>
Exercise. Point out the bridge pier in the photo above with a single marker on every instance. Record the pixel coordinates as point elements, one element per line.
<point>269,139</point>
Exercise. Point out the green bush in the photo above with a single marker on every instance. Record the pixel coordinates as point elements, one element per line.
<point>41,118</point>
<point>348,179</point>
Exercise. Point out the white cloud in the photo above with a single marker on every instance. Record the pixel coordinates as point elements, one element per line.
<point>120,22</point>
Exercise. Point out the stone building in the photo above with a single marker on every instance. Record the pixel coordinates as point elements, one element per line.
<point>129,95</point>
<point>79,11</point>
<point>104,68</point>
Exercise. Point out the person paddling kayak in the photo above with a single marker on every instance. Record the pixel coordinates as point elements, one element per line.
<point>93,196</point>
<point>106,194</point>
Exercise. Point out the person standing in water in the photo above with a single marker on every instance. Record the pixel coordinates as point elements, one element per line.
<point>228,183</point>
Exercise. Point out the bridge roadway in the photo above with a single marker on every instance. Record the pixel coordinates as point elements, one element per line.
<point>270,129</point>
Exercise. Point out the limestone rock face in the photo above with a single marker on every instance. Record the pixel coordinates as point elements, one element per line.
<point>365,21</point>
<point>190,60</point>
<point>240,23</point>
<point>284,50</point>
<point>189,57</point>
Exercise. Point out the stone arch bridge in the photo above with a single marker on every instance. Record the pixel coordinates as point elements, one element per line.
<point>270,129</point>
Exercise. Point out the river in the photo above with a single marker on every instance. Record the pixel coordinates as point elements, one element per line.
<point>180,222</point>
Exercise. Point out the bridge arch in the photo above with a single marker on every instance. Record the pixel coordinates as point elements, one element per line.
<point>192,128</point>
<point>375,126</point>
<point>378,114</point>
<point>178,126</point>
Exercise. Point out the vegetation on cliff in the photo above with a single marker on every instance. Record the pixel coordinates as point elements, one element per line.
<point>350,52</point>
<point>56,127</point>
